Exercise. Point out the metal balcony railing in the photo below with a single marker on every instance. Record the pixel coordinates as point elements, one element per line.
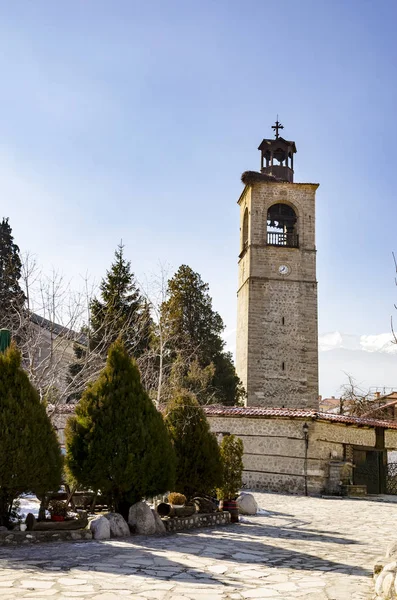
<point>288,240</point>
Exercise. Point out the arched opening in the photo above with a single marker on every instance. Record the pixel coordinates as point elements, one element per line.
<point>282,226</point>
<point>245,231</point>
<point>276,158</point>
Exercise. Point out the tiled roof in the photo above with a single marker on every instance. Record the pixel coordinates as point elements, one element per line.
<point>216,410</point>
<point>59,329</point>
<point>297,413</point>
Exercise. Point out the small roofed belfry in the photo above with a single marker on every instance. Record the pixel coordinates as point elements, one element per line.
<point>277,339</point>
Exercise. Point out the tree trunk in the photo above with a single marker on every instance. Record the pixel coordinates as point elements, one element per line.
<point>123,507</point>
<point>5,507</point>
<point>43,507</point>
<point>93,503</point>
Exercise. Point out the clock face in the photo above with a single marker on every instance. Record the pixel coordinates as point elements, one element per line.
<point>283,270</point>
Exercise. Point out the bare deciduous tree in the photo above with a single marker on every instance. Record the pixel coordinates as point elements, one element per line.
<point>353,399</point>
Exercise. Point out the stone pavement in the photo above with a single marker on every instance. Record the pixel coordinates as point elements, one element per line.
<point>309,548</point>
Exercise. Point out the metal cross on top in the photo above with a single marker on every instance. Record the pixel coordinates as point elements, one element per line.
<point>277,126</point>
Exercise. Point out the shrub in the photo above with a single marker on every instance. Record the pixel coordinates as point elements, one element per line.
<point>58,508</point>
<point>176,498</point>
<point>232,450</point>
<point>198,462</point>
<point>30,456</point>
<point>117,442</point>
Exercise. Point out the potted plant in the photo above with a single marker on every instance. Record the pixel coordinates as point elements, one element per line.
<point>232,450</point>
<point>176,500</point>
<point>58,510</point>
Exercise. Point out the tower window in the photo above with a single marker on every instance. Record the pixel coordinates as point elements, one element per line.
<point>282,226</point>
<point>283,321</point>
<point>283,366</point>
<point>245,230</point>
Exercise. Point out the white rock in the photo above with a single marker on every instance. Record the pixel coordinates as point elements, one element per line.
<point>387,585</point>
<point>100,528</point>
<point>379,583</point>
<point>391,550</point>
<point>118,525</point>
<point>160,527</point>
<point>391,566</point>
<point>247,504</point>
<point>141,517</point>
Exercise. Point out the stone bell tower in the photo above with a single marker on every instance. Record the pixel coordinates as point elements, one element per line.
<point>277,347</point>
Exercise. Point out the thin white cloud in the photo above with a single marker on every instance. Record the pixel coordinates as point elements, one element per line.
<point>382,342</point>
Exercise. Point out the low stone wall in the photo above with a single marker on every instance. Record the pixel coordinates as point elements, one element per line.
<point>16,538</point>
<point>195,521</point>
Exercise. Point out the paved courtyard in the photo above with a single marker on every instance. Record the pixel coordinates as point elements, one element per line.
<point>310,548</point>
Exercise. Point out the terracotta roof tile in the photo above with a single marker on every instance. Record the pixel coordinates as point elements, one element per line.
<point>255,412</point>
<point>216,410</point>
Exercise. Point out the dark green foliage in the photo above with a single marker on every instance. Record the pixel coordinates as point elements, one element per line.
<point>5,339</point>
<point>12,297</point>
<point>232,451</point>
<point>117,442</point>
<point>198,466</point>
<point>195,329</point>
<point>121,312</point>
<point>30,457</point>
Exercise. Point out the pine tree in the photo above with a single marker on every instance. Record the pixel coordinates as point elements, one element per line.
<point>117,442</point>
<point>30,457</point>
<point>121,311</point>
<point>12,297</point>
<point>195,330</point>
<point>198,466</point>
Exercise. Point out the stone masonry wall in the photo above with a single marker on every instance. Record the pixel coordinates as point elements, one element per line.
<point>243,295</point>
<point>16,538</point>
<point>277,353</point>
<point>274,450</point>
<point>197,521</point>
<point>391,438</point>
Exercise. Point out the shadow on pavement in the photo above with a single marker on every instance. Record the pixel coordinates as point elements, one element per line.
<point>199,549</point>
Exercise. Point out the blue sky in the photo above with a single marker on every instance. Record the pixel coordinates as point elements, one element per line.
<point>135,120</point>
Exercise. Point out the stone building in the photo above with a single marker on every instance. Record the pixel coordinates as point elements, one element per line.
<point>277,347</point>
<point>289,445</point>
<point>306,451</point>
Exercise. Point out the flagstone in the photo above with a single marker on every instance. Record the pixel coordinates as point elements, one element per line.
<point>300,548</point>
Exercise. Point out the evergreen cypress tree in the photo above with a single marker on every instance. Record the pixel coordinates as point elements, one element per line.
<point>117,442</point>
<point>198,466</point>
<point>195,330</point>
<point>12,297</point>
<point>30,457</point>
<point>232,450</point>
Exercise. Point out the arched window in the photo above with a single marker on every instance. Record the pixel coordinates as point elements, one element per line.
<point>282,226</point>
<point>245,230</point>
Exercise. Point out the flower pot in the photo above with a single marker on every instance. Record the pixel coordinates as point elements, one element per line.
<point>230,506</point>
<point>57,518</point>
